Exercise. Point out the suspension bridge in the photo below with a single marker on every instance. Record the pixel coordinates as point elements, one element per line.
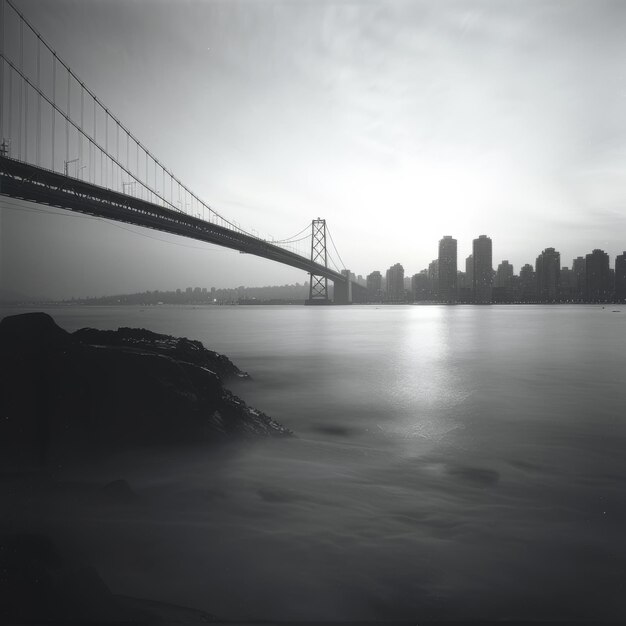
<point>60,146</point>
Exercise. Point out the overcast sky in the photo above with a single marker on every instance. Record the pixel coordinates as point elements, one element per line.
<point>399,122</point>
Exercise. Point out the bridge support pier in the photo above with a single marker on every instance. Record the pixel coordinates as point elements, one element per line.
<point>342,292</point>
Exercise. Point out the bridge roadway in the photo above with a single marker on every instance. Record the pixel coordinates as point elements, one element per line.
<point>27,182</point>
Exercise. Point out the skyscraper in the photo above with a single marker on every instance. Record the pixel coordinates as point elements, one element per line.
<point>567,285</point>
<point>483,270</point>
<point>465,293</point>
<point>620,277</point>
<point>578,271</point>
<point>419,286</point>
<point>548,271</point>
<point>374,286</point>
<point>503,283</point>
<point>460,280</point>
<point>395,283</point>
<point>598,277</point>
<point>447,269</point>
<point>504,275</point>
<point>469,271</point>
<point>433,279</point>
<point>528,287</point>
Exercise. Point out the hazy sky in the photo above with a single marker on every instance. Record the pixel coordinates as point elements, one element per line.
<point>399,122</point>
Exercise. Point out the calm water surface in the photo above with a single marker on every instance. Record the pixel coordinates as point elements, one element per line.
<point>450,462</point>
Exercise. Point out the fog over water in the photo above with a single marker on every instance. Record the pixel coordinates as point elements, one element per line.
<point>450,462</point>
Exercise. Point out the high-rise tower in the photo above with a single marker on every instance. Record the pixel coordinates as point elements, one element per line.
<point>548,271</point>
<point>620,277</point>
<point>598,277</point>
<point>447,270</point>
<point>395,283</point>
<point>578,271</point>
<point>483,269</point>
<point>375,286</point>
<point>528,284</point>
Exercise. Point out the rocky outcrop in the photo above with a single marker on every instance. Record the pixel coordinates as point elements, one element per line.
<point>92,392</point>
<point>178,348</point>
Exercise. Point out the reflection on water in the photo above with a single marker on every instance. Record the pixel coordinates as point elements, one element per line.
<point>450,462</point>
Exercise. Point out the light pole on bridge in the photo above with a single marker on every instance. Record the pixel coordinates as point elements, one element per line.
<point>79,169</point>
<point>130,184</point>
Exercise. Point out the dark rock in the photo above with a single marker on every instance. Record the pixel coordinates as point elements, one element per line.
<point>179,348</point>
<point>66,395</point>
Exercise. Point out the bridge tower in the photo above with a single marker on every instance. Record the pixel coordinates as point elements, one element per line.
<point>318,285</point>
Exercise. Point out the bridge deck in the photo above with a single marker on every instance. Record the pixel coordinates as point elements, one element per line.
<point>28,182</point>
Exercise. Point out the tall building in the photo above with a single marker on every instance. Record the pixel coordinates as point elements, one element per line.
<point>447,269</point>
<point>465,293</point>
<point>419,286</point>
<point>504,275</point>
<point>469,270</point>
<point>460,280</point>
<point>598,277</point>
<point>395,283</point>
<point>567,285</point>
<point>515,289</point>
<point>483,270</point>
<point>620,277</point>
<point>579,278</point>
<point>374,286</point>
<point>548,274</point>
<point>503,283</point>
<point>433,279</point>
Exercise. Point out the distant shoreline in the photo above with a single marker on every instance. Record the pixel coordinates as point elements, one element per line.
<point>82,303</point>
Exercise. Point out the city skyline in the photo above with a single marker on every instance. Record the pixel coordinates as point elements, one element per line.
<point>377,283</point>
<point>589,279</point>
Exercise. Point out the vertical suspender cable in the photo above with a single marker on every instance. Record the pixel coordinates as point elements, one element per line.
<point>38,102</point>
<point>2,71</point>
<point>106,144</point>
<point>26,87</point>
<point>10,70</point>
<point>102,183</point>
<point>54,111</point>
<point>67,124</point>
<point>117,155</point>
<point>80,135</point>
<point>19,107</point>
<point>95,139</point>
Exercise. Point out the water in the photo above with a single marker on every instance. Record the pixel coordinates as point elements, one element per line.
<point>450,462</point>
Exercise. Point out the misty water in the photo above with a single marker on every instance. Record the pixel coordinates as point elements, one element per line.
<point>449,462</point>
